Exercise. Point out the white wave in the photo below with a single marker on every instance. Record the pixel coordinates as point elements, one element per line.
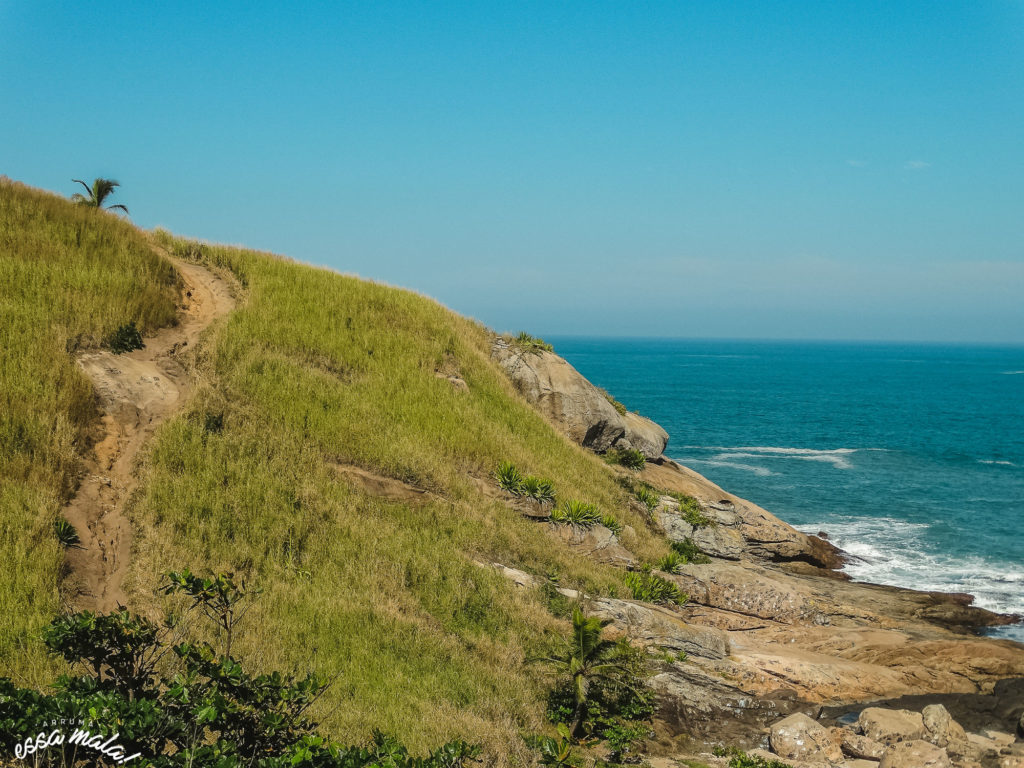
<point>757,470</point>
<point>997,462</point>
<point>890,551</point>
<point>1012,373</point>
<point>836,459</point>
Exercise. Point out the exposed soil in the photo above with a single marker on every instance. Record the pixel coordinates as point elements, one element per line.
<point>137,391</point>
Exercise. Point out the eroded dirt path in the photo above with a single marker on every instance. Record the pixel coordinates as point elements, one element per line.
<point>137,392</point>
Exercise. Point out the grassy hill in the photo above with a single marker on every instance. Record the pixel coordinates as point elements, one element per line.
<point>314,372</point>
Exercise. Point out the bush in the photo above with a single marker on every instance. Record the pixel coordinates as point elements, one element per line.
<point>651,588</point>
<point>182,704</point>
<point>532,344</point>
<point>538,490</point>
<point>691,510</point>
<point>509,478</point>
<point>619,704</point>
<point>647,496</point>
<point>66,533</point>
<point>629,458</point>
<point>689,552</point>
<point>740,759</point>
<point>573,512</point>
<point>125,339</point>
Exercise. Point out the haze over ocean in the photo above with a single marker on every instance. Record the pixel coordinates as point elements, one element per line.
<point>910,457</point>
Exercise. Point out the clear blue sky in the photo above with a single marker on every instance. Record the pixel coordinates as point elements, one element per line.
<point>772,169</point>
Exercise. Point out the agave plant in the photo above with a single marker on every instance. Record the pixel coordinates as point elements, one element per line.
<point>97,194</point>
<point>647,496</point>
<point>689,552</point>
<point>509,478</point>
<point>652,588</point>
<point>573,512</point>
<point>629,458</point>
<point>611,524</point>
<point>66,533</point>
<point>538,490</point>
<point>691,510</point>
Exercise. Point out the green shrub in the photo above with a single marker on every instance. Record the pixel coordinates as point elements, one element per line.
<point>509,478</point>
<point>630,458</point>
<point>670,563</point>
<point>532,344</point>
<point>125,339</point>
<point>611,524</point>
<point>651,588</point>
<point>691,510</point>
<point>573,512</point>
<point>689,552</point>
<point>182,703</point>
<point>647,496</point>
<point>537,489</point>
<point>740,759</point>
<point>66,533</point>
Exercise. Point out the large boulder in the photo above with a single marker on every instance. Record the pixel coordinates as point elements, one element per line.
<point>943,730</point>
<point>915,754</point>
<point>574,405</point>
<point>798,737</point>
<point>890,726</point>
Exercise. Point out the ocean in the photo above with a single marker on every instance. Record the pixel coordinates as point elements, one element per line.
<point>909,456</point>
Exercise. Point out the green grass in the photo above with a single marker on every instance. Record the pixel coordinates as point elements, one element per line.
<point>341,371</point>
<point>69,278</point>
<point>312,370</point>
<point>532,344</point>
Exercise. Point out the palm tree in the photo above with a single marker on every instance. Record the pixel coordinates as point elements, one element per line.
<point>100,190</point>
<point>588,657</point>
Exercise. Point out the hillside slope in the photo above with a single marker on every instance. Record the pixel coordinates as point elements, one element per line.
<point>314,383</point>
<point>337,448</point>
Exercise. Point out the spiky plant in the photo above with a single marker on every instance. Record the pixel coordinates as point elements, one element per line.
<point>611,524</point>
<point>509,478</point>
<point>629,458</point>
<point>533,344</point>
<point>691,510</point>
<point>573,512</point>
<point>97,194</point>
<point>648,497</point>
<point>66,533</point>
<point>652,588</point>
<point>689,552</point>
<point>539,490</point>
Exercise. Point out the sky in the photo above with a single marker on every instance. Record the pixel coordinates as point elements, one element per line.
<point>693,169</point>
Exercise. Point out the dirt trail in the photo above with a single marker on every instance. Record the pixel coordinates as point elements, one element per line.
<point>137,391</point>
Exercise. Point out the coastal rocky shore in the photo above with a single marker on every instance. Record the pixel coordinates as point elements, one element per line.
<point>782,651</point>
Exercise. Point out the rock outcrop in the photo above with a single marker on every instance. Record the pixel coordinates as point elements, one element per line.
<point>574,405</point>
<point>773,635</point>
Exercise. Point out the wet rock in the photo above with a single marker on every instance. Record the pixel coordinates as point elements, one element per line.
<point>798,737</point>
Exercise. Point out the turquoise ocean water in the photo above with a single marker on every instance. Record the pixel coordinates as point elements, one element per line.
<point>910,457</point>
